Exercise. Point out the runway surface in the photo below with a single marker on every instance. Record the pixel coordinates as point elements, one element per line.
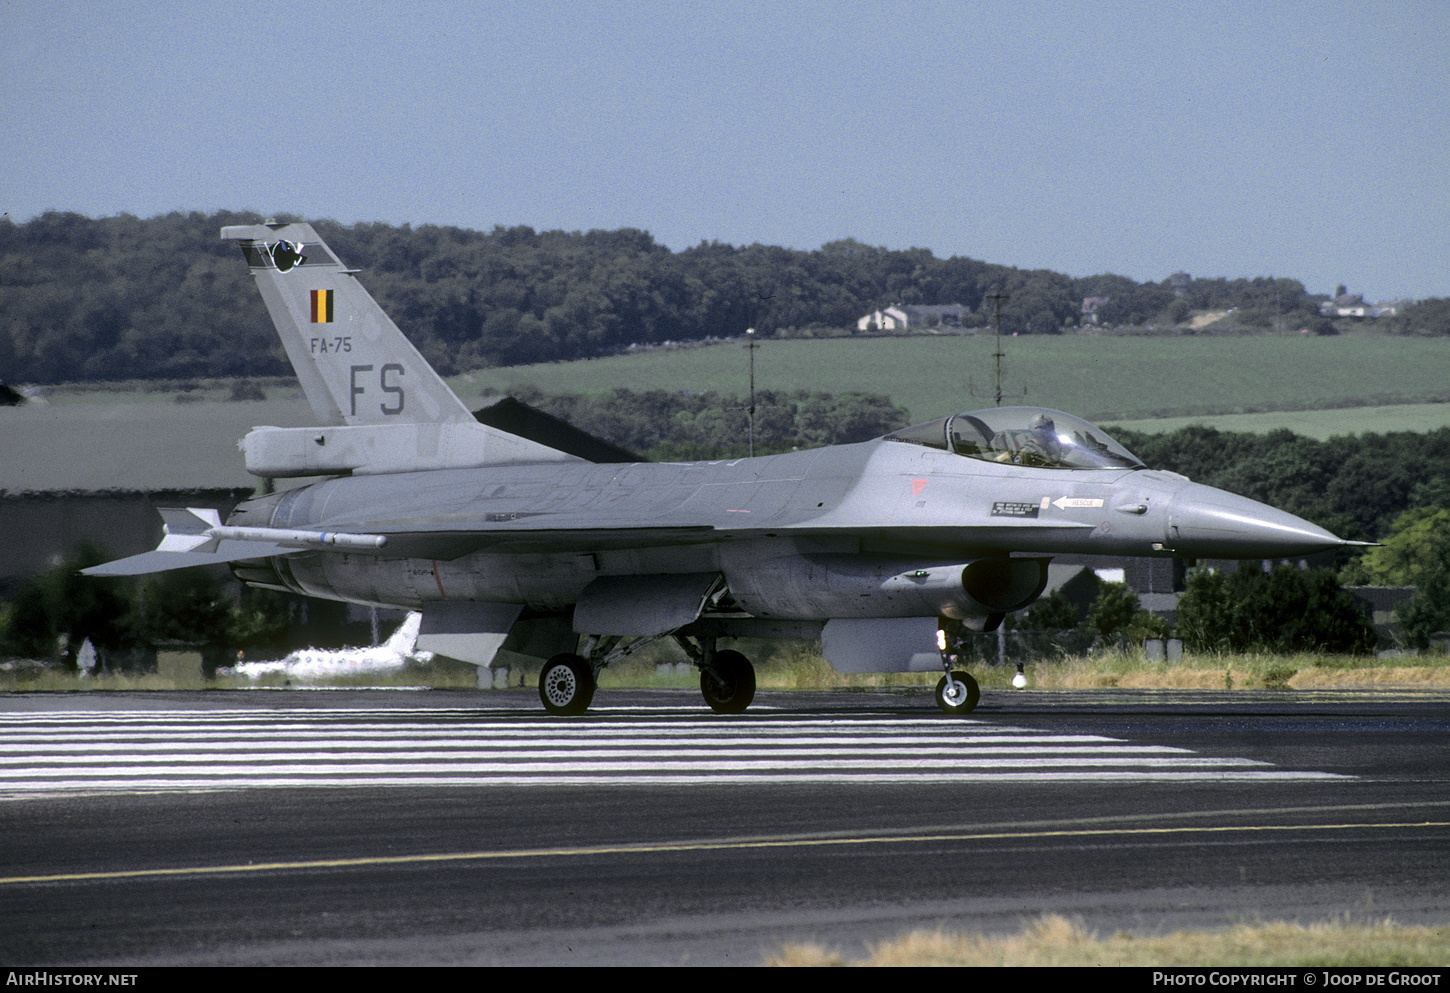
<point>398,828</point>
<point>76,751</point>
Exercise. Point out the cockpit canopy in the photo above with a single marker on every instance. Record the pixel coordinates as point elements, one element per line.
<point>1033,436</point>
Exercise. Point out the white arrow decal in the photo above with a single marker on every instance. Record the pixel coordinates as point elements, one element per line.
<point>1061,503</point>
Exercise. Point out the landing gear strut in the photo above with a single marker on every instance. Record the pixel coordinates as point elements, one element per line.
<point>567,681</point>
<point>958,692</point>
<point>727,679</point>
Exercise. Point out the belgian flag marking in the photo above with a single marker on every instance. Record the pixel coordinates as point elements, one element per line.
<point>321,306</point>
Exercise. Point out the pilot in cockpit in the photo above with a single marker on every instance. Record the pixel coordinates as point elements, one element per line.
<point>1038,445</point>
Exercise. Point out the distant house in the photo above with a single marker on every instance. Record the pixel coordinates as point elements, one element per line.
<point>1090,306</point>
<point>882,320</point>
<point>1078,584</point>
<point>900,317</point>
<point>1346,305</point>
<point>1353,305</point>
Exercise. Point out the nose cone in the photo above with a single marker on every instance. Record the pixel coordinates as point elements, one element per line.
<point>1209,523</point>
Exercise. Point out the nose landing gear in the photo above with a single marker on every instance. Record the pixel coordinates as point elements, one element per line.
<point>957,693</point>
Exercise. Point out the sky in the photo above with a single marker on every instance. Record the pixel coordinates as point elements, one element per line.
<point>1303,139</point>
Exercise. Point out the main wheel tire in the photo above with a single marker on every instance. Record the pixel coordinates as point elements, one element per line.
<point>960,697</point>
<point>728,683</point>
<point>566,685</point>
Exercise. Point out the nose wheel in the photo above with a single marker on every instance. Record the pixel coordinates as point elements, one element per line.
<point>957,693</point>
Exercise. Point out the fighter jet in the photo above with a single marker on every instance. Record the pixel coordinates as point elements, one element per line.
<point>879,549</point>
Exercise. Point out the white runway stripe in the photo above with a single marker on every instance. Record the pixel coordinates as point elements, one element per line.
<point>58,753</point>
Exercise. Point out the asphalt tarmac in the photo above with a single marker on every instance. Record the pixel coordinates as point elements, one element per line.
<point>453,828</point>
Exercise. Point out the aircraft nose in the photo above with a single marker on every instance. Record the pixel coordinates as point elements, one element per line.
<point>1208,523</point>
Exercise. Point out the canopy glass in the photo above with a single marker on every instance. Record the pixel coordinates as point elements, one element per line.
<point>1033,436</point>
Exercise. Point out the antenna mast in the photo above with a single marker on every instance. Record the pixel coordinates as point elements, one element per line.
<point>997,299</point>
<point>750,346</point>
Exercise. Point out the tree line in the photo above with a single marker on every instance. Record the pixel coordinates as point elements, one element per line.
<point>1286,610</point>
<point>675,427</point>
<point>54,613</point>
<point>129,298</point>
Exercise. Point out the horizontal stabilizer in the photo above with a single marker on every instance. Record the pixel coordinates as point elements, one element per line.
<point>159,561</point>
<point>518,418</point>
<point>195,536</point>
<point>380,448</point>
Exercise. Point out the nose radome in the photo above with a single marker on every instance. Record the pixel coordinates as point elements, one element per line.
<point>1206,522</point>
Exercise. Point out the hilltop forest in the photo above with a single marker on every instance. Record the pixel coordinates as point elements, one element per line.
<point>163,298</point>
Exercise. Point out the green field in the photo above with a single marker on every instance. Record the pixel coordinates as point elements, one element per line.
<point>1320,425</point>
<point>1319,387</point>
<point>1107,379</point>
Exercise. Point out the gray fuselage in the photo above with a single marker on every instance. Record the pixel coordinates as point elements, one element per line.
<point>840,521</point>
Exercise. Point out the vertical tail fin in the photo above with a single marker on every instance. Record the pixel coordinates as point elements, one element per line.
<point>405,640</point>
<point>354,364</point>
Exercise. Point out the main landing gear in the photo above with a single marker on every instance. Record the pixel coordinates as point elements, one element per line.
<point>567,681</point>
<point>566,685</point>
<point>728,682</point>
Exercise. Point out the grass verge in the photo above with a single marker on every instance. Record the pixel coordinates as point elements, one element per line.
<point>800,666</point>
<point>1056,941</point>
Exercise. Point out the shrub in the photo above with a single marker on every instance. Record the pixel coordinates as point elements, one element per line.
<point>1286,610</point>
